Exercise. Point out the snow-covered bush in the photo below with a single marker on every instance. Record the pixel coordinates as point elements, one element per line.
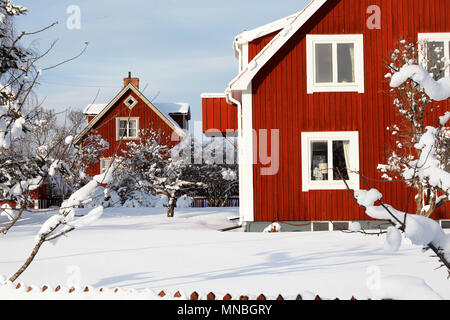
<point>139,199</point>
<point>220,180</point>
<point>184,202</point>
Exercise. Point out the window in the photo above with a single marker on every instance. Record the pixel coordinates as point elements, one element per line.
<point>127,128</point>
<point>335,63</point>
<point>434,53</point>
<point>130,102</point>
<point>105,163</point>
<point>326,156</point>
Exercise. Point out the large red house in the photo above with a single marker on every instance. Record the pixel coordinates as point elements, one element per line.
<point>315,83</point>
<point>120,121</point>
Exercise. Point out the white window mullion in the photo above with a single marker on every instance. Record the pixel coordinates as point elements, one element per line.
<point>335,63</point>
<point>330,159</point>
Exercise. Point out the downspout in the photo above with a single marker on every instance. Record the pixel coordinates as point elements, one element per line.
<point>231,100</point>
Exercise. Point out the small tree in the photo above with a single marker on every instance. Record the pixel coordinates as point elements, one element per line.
<point>414,107</point>
<point>421,157</point>
<point>150,165</point>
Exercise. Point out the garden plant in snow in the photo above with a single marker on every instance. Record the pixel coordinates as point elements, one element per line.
<point>150,166</point>
<point>421,157</point>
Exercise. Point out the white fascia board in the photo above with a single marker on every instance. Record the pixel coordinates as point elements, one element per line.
<point>212,95</point>
<point>250,35</point>
<point>242,81</point>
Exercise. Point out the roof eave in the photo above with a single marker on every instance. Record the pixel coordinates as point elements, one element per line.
<point>243,79</point>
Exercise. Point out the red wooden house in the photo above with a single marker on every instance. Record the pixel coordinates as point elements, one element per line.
<point>130,111</point>
<point>313,85</point>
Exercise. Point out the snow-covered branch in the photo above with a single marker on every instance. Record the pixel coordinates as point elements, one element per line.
<point>437,90</point>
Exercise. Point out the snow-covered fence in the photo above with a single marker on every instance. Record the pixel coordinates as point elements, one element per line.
<point>202,202</point>
<point>47,203</point>
<point>21,291</point>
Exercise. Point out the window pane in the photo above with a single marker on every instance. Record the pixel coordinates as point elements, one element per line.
<point>324,63</point>
<point>346,62</point>
<point>436,59</point>
<point>341,159</point>
<point>122,128</point>
<point>319,159</point>
<point>133,127</point>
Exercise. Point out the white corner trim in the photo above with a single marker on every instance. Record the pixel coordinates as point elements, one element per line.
<point>242,81</point>
<point>357,40</point>
<point>307,138</point>
<point>246,210</point>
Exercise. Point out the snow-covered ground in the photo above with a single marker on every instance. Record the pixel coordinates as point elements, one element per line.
<point>142,248</point>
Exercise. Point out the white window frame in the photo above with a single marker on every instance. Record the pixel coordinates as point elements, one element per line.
<point>432,37</point>
<point>357,40</point>
<point>307,138</point>
<point>130,97</point>
<point>128,119</point>
<point>104,164</point>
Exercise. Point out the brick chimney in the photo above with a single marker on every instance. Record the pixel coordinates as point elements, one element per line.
<point>134,81</point>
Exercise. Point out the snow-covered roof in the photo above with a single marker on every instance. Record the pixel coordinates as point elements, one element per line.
<point>172,107</point>
<point>250,35</point>
<point>94,109</point>
<point>293,24</point>
<point>165,107</point>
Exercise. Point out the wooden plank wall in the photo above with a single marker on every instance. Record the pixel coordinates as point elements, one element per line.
<point>280,101</point>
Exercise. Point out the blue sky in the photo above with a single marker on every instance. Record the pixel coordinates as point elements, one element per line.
<point>178,48</point>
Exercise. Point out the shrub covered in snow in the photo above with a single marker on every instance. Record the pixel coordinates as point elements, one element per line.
<point>184,202</point>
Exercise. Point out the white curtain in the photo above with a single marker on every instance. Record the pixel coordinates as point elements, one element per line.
<point>352,55</point>
<point>347,155</point>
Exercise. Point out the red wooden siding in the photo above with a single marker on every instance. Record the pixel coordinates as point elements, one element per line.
<point>148,119</point>
<point>280,102</point>
<point>258,44</point>
<point>219,116</point>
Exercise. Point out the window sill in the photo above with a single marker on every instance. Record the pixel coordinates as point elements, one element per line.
<point>329,185</point>
<point>127,139</point>
<point>332,88</point>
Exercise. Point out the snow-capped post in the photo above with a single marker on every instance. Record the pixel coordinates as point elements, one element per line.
<point>421,155</point>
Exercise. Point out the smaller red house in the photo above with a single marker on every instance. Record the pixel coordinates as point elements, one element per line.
<point>125,115</point>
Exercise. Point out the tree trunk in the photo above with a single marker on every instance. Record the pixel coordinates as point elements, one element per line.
<point>171,207</point>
